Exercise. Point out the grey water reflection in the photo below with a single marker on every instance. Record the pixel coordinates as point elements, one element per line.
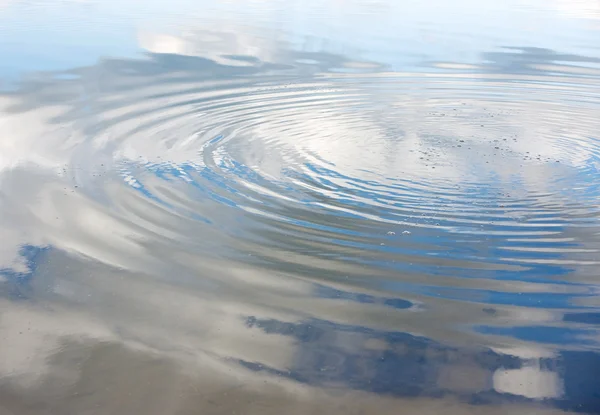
<point>205,230</point>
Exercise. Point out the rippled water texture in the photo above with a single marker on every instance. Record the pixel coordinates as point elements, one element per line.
<point>286,207</point>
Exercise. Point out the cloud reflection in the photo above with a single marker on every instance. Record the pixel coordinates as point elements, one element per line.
<point>180,216</point>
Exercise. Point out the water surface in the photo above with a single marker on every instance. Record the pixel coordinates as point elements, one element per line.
<point>256,207</point>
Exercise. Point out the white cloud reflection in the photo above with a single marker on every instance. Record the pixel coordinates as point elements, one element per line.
<point>125,269</point>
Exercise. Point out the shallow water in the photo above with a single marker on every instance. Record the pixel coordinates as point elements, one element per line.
<point>286,207</point>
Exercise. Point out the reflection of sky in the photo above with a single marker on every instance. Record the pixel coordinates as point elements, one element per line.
<point>57,36</point>
<point>465,250</point>
<point>41,37</point>
<point>17,283</point>
<point>79,34</point>
<point>403,364</point>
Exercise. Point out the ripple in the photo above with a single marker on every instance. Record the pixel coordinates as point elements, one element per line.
<point>458,185</point>
<point>310,148</point>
